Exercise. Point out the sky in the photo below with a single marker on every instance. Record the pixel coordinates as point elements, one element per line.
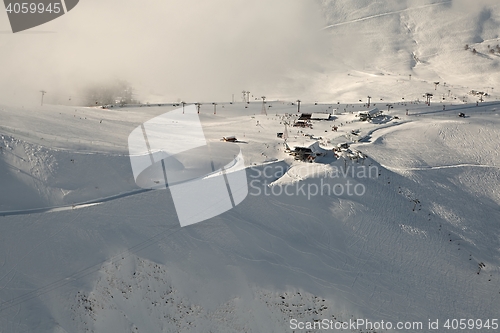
<point>167,50</point>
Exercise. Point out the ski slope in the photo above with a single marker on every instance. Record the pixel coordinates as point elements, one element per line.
<point>114,259</point>
<point>375,47</point>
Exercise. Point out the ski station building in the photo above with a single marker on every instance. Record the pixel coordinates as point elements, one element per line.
<point>368,115</point>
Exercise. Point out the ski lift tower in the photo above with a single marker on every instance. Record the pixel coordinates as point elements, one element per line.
<point>43,93</point>
<point>264,111</point>
<point>428,97</point>
<point>298,105</point>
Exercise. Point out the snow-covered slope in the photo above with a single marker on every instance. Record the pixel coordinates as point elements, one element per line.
<point>409,249</point>
<point>82,248</point>
<point>376,46</point>
<point>324,50</point>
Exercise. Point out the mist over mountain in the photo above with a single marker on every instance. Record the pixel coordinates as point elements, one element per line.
<point>185,50</point>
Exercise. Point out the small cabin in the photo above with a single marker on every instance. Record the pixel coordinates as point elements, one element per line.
<point>301,123</point>
<point>231,138</point>
<point>368,115</point>
<point>303,154</point>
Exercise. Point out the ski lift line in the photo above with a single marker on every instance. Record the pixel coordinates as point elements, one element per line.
<point>88,270</point>
<point>228,187</point>
<point>164,170</point>
<point>147,145</point>
<point>384,14</point>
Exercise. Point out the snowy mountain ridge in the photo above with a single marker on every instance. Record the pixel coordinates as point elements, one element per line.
<point>380,44</point>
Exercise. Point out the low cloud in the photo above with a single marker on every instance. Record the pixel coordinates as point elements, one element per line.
<point>188,49</point>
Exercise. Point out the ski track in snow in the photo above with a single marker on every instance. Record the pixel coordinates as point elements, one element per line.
<point>440,167</point>
<point>74,206</point>
<point>384,14</point>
